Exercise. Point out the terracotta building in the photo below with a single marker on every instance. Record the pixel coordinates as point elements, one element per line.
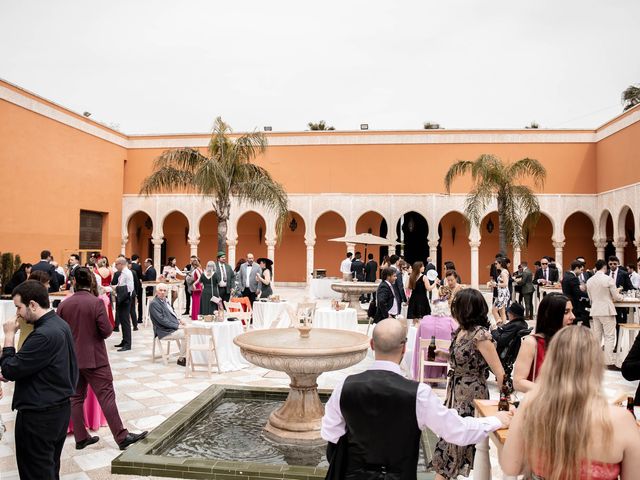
<point>70,183</point>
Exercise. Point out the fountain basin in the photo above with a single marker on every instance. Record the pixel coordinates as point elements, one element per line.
<point>303,359</point>
<point>353,291</point>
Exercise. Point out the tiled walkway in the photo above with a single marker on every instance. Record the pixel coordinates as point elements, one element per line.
<point>148,393</point>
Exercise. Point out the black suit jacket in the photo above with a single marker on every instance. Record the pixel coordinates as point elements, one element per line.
<point>554,275</point>
<point>384,301</point>
<point>571,288</point>
<point>150,275</point>
<point>137,278</point>
<point>631,366</point>
<point>357,268</point>
<point>623,280</point>
<point>44,266</point>
<point>371,271</point>
<point>399,285</point>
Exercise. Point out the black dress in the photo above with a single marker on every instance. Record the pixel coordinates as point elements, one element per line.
<point>418,302</point>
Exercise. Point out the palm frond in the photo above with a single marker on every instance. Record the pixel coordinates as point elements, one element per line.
<point>248,146</point>
<point>528,167</point>
<point>167,179</point>
<point>459,168</point>
<point>187,159</point>
<point>631,97</point>
<point>476,203</point>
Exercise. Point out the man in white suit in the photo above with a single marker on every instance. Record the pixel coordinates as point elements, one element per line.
<point>248,278</point>
<point>603,292</point>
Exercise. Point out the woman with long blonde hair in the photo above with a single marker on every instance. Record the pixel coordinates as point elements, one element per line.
<point>565,429</point>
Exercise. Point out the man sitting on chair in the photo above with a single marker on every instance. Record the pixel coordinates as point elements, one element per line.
<point>166,324</point>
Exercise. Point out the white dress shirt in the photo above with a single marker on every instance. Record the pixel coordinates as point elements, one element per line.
<point>345,266</point>
<point>430,413</point>
<point>126,279</point>
<point>394,310</point>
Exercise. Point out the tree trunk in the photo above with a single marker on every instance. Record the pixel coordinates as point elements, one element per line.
<point>222,234</point>
<point>502,236</point>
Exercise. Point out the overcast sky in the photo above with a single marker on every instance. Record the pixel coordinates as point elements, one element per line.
<point>173,66</point>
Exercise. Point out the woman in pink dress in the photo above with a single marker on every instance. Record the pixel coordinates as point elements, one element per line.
<point>196,293</point>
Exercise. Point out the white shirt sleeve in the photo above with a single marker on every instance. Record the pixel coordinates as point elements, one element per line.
<point>447,423</point>
<point>333,423</point>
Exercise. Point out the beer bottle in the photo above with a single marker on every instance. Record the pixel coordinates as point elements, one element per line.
<point>630,406</point>
<point>431,352</point>
<point>503,404</point>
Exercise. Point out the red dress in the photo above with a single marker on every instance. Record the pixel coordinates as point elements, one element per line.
<point>106,282</point>
<point>541,349</point>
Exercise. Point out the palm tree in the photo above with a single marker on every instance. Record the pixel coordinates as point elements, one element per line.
<point>224,172</point>
<point>321,125</point>
<point>493,178</point>
<point>631,97</point>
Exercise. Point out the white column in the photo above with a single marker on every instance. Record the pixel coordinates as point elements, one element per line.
<point>600,244</point>
<point>433,251</point>
<point>637,245</point>
<point>475,263</point>
<point>620,244</point>
<point>271,252</point>
<point>558,246</point>
<point>351,247</point>
<point>123,244</point>
<point>157,252</point>
<point>310,244</point>
<point>193,246</point>
<point>517,254</point>
<point>231,255</point>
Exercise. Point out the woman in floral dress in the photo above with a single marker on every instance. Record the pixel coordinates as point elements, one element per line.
<point>473,353</point>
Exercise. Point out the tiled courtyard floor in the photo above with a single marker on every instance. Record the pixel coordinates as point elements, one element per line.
<point>148,393</point>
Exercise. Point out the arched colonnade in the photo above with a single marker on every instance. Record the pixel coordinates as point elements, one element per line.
<point>423,225</point>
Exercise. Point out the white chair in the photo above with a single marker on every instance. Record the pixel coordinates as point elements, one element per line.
<point>628,332</point>
<point>442,347</point>
<point>234,310</point>
<point>157,342</point>
<point>208,347</point>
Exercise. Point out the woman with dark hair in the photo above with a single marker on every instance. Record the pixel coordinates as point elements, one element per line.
<point>554,312</point>
<point>18,277</point>
<point>264,278</point>
<point>501,302</point>
<point>472,354</point>
<point>419,285</point>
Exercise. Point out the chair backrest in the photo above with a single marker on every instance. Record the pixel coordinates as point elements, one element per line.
<point>232,306</point>
<point>198,331</point>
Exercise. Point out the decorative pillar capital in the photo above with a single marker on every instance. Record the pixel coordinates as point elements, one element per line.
<point>433,244</point>
<point>269,243</point>
<point>636,244</point>
<point>157,240</point>
<point>310,243</point>
<point>558,245</point>
<point>620,244</point>
<point>474,244</point>
<point>232,242</point>
<point>125,239</point>
<point>194,241</point>
<point>600,243</point>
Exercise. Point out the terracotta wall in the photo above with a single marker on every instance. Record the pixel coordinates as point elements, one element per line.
<point>251,231</point>
<point>139,236</point>
<point>455,249</point>
<point>619,159</point>
<point>50,172</point>
<point>357,168</point>
<point>291,252</point>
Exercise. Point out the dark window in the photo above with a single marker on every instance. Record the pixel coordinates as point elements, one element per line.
<point>90,230</point>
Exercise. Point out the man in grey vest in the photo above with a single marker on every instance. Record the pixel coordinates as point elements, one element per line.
<point>380,414</point>
<point>248,279</point>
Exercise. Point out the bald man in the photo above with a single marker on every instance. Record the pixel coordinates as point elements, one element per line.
<point>384,413</point>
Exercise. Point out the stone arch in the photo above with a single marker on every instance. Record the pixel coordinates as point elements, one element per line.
<point>594,225</point>
<point>579,231</point>
<point>291,250</point>
<point>627,234</point>
<point>372,222</point>
<point>453,244</point>
<point>538,240</point>
<point>331,210</point>
<point>328,255</point>
<point>412,230</point>
<point>139,231</point>
<point>605,225</point>
<point>175,230</point>
<point>251,228</point>
<point>166,214</point>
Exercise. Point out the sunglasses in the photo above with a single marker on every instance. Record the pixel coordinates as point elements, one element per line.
<point>544,264</point>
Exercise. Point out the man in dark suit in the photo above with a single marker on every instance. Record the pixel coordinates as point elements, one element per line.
<point>388,299</point>
<point>73,263</point>
<point>545,275</point>
<point>45,266</point>
<point>149,275</point>
<point>165,321</point>
<point>370,273</point>
<point>429,265</point>
<point>135,299</point>
<point>137,268</point>
<point>90,326</point>
<point>575,291</point>
<point>223,277</point>
<point>623,280</point>
<point>527,289</point>
<point>393,260</point>
<point>357,267</point>
<point>586,274</point>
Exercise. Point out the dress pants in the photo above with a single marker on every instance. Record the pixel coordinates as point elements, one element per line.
<point>101,382</point>
<point>248,293</point>
<point>133,310</point>
<point>605,326</point>
<point>187,296</point>
<point>139,304</point>
<point>39,437</point>
<point>123,319</point>
<point>528,304</point>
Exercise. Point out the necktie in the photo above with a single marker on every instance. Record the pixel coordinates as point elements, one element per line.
<point>546,274</point>
<point>222,269</point>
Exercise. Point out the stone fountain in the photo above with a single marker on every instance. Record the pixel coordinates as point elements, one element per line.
<point>354,290</point>
<point>303,359</point>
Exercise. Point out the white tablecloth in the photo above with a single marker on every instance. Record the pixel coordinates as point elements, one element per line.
<point>407,360</point>
<point>266,313</point>
<point>321,288</point>
<point>229,356</point>
<point>346,319</point>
